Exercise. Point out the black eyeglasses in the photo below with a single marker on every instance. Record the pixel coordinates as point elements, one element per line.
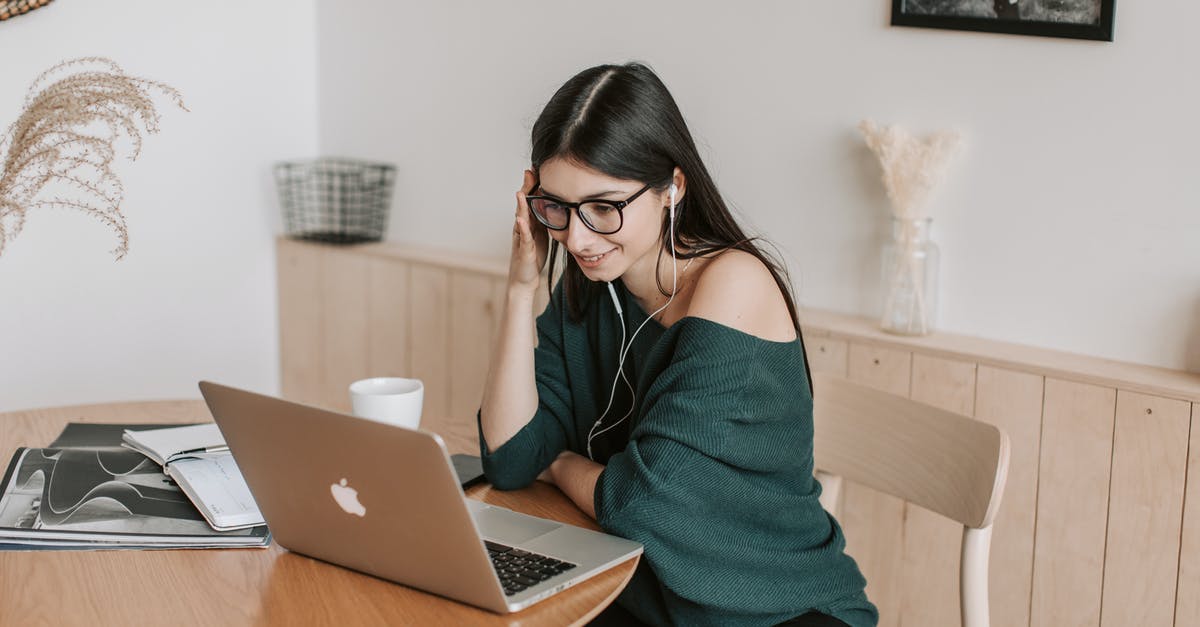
<point>602,216</point>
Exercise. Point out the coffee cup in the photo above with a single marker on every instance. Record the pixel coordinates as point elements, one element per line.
<point>392,400</point>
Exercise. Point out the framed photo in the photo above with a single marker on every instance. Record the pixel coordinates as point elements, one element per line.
<point>1077,19</point>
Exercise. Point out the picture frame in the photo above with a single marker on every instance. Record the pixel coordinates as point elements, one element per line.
<point>1075,19</point>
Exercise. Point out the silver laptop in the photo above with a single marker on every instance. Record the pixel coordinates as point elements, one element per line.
<point>385,500</point>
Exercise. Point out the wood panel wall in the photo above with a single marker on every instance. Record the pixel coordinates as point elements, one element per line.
<point>351,313</point>
<point>1100,522</point>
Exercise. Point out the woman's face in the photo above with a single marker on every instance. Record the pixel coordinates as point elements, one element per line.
<point>605,257</point>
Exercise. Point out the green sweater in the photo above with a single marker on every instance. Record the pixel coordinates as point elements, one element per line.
<point>712,472</point>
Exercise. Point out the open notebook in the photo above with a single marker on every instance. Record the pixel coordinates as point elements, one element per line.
<point>197,458</point>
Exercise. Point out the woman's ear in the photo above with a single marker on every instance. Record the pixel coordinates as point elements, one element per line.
<point>680,182</point>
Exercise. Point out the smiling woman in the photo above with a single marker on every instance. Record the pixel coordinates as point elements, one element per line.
<point>693,433</point>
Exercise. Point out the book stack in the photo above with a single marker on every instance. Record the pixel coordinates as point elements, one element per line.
<point>94,488</point>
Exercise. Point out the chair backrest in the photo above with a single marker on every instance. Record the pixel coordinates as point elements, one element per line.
<point>942,461</point>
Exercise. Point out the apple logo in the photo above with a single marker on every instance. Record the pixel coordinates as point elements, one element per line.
<point>347,498</point>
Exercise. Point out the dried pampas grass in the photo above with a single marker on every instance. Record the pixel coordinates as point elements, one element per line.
<point>74,114</point>
<point>912,166</point>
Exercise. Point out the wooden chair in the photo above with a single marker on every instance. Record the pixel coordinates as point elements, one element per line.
<point>947,463</point>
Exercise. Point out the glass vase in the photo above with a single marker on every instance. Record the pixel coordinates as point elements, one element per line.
<point>910,279</point>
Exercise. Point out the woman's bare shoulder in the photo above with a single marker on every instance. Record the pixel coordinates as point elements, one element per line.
<point>737,290</point>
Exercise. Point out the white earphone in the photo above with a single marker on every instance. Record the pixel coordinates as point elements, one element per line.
<point>624,349</point>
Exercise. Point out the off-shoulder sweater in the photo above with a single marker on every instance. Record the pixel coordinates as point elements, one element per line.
<point>712,471</point>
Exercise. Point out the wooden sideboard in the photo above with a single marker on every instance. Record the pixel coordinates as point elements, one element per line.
<point>1092,530</point>
<point>1100,524</point>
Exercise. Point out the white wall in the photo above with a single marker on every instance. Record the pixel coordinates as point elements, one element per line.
<point>1072,221</point>
<point>195,296</point>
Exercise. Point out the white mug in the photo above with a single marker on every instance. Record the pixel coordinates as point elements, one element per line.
<point>391,400</point>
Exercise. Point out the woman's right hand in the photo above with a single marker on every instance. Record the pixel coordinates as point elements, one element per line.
<point>529,242</point>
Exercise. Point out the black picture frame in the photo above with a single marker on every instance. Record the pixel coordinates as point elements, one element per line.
<point>1100,31</point>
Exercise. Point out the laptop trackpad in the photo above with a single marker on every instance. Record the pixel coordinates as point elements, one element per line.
<point>509,527</point>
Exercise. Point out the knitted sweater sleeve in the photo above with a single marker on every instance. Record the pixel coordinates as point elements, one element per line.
<point>517,462</point>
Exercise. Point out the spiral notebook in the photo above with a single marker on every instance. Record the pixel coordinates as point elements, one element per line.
<point>196,457</point>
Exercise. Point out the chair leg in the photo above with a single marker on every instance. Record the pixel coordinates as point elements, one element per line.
<point>973,578</point>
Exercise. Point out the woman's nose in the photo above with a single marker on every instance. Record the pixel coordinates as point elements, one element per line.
<point>578,235</point>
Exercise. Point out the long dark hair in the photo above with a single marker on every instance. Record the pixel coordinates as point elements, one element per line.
<point>622,121</point>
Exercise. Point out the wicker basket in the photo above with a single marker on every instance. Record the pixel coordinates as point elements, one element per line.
<point>13,8</point>
<point>341,201</point>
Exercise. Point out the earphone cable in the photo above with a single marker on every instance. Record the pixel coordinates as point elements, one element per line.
<point>592,433</point>
<point>613,393</point>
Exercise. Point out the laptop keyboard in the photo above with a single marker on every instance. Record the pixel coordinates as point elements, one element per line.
<point>520,569</point>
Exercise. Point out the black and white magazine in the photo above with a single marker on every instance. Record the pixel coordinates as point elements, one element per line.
<point>102,497</point>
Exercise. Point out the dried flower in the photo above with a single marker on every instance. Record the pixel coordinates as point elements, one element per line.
<point>912,167</point>
<point>74,114</point>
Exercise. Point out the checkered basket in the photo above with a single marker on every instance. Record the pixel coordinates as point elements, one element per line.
<point>340,201</point>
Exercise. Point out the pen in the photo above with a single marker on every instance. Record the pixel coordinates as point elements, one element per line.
<point>204,449</point>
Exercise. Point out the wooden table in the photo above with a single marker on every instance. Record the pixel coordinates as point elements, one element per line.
<point>252,586</point>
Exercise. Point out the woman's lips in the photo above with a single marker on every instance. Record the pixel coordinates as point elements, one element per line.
<point>592,262</point>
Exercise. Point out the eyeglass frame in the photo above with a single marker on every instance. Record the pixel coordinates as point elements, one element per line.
<point>618,205</point>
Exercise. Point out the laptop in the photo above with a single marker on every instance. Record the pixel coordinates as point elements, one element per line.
<point>385,500</point>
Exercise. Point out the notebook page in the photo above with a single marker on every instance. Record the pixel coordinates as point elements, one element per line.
<point>218,490</point>
<point>161,444</point>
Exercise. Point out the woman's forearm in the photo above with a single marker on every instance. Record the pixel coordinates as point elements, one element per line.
<point>510,396</point>
<point>576,476</point>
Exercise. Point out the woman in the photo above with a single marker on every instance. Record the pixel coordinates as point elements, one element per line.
<point>688,429</point>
